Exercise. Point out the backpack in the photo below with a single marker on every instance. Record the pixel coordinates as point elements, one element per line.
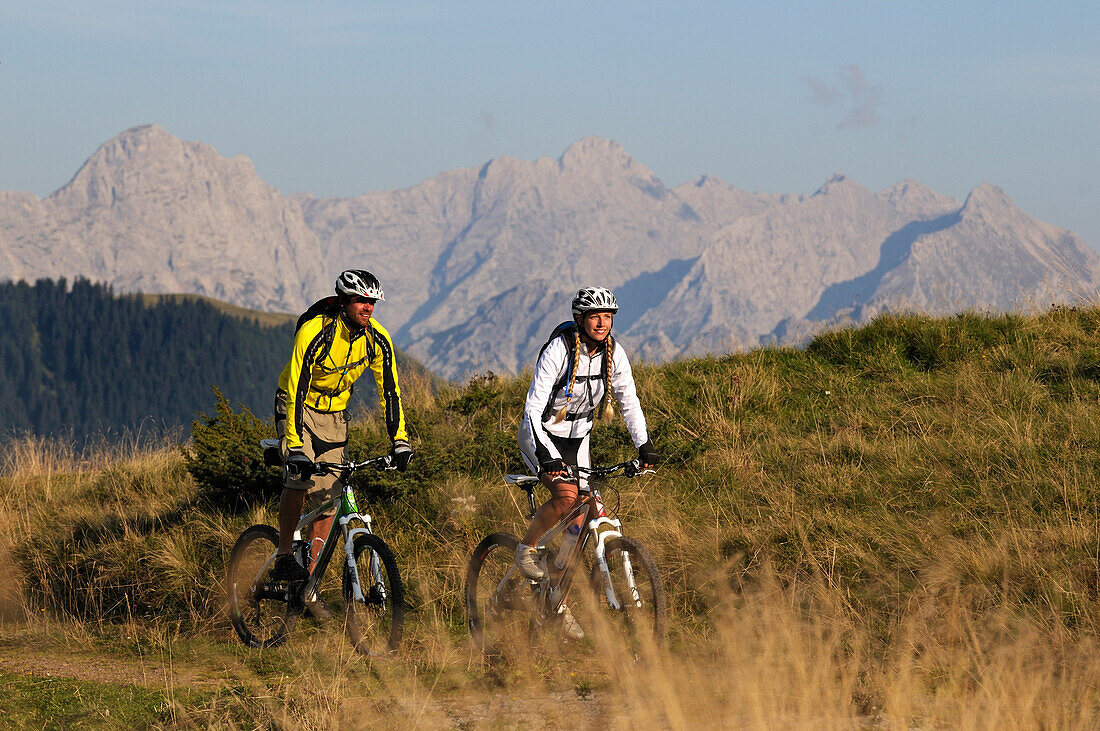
<point>329,308</point>
<point>566,328</point>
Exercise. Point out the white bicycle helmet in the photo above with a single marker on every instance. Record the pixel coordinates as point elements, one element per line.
<point>359,282</point>
<point>592,299</point>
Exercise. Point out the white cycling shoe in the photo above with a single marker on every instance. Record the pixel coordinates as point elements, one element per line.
<point>570,627</point>
<point>527,563</point>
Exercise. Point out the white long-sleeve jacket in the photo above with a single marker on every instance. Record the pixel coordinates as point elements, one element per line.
<point>547,395</point>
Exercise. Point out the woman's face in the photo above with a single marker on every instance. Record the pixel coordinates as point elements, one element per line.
<point>596,325</point>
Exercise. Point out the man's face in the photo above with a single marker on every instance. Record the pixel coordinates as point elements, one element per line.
<point>359,310</point>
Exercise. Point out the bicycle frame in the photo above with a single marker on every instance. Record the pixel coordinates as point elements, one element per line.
<point>369,593</point>
<point>599,528</point>
<point>347,510</point>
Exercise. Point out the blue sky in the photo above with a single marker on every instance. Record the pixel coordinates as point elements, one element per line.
<point>339,98</point>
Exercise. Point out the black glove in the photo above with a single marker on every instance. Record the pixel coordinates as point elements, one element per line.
<point>401,454</point>
<point>299,465</point>
<point>647,455</point>
<point>552,467</point>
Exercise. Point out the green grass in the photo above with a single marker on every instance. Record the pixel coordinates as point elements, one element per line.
<point>56,703</point>
<point>266,319</point>
<point>963,445</point>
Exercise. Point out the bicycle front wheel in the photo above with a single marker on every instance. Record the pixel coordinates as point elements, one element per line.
<point>257,605</point>
<point>637,588</point>
<point>498,597</point>
<point>376,617</point>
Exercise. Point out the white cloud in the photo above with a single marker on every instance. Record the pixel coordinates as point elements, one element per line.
<point>851,90</point>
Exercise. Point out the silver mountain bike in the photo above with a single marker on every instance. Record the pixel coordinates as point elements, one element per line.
<point>620,582</point>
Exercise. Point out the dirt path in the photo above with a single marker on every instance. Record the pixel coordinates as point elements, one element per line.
<point>151,672</point>
<point>477,709</point>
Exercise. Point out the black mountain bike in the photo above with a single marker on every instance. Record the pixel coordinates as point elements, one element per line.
<point>263,611</point>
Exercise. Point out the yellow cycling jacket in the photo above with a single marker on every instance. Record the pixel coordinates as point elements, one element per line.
<point>328,357</point>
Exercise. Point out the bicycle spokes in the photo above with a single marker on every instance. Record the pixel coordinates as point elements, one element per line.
<point>631,591</point>
<point>257,605</point>
<point>373,596</point>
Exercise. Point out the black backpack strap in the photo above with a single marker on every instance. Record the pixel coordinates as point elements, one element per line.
<point>329,308</point>
<point>564,330</point>
<point>565,327</point>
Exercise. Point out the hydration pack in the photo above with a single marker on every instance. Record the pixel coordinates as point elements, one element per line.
<point>567,329</point>
<point>329,308</point>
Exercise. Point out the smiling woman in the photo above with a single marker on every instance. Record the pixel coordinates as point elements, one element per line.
<point>576,373</point>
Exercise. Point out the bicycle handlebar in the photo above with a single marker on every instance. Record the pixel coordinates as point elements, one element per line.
<point>631,468</point>
<point>382,464</point>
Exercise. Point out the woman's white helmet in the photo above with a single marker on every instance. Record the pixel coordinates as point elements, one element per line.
<point>359,282</point>
<point>593,299</point>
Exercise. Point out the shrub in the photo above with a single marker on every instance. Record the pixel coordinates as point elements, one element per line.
<point>225,459</point>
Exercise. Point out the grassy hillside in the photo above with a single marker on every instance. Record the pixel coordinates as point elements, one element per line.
<point>267,319</point>
<point>897,525</point>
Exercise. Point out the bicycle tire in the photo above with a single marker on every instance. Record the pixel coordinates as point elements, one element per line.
<point>497,611</point>
<point>257,606</point>
<point>374,624</point>
<point>652,617</point>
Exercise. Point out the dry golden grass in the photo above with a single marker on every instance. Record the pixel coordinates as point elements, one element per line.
<point>748,649</point>
<point>899,527</point>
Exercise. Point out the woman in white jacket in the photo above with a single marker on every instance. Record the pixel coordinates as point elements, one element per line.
<point>577,372</point>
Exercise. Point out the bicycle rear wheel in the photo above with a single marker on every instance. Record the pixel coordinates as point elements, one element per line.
<point>374,621</point>
<point>642,617</point>
<point>498,609</point>
<point>257,605</point>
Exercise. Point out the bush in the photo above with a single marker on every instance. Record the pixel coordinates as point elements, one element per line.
<point>225,458</point>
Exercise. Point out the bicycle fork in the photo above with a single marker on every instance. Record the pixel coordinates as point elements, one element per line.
<point>377,581</point>
<point>605,571</point>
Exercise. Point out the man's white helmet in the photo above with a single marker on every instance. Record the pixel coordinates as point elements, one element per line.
<point>359,282</point>
<point>592,299</point>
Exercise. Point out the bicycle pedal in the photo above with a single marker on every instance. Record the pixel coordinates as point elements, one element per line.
<point>295,603</point>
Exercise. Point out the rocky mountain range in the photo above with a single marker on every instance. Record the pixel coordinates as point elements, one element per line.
<point>479,264</point>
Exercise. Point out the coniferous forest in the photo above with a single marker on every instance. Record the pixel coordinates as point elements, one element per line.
<point>78,361</point>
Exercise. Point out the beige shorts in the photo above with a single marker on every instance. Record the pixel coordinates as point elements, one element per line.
<point>324,436</point>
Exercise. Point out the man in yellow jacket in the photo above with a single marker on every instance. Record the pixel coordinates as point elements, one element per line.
<point>336,341</point>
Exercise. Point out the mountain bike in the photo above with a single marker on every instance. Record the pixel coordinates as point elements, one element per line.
<point>264,611</point>
<point>625,586</point>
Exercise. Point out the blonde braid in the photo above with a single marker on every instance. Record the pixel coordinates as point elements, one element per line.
<point>606,410</point>
<point>560,415</point>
